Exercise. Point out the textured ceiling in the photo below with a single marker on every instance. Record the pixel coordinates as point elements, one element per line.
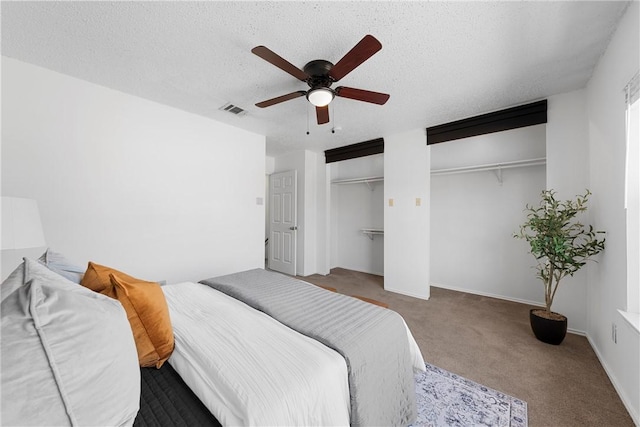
<point>440,61</point>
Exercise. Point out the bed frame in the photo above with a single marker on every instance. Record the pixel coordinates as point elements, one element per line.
<point>165,400</point>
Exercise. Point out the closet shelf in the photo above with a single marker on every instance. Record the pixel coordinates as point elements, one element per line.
<point>448,171</point>
<point>370,232</point>
<point>367,180</point>
<point>491,166</point>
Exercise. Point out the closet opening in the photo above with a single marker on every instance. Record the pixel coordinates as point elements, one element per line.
<point>357,214</point>
<point>479,188</point>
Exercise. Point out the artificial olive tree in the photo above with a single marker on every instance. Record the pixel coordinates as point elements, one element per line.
<point>561,244</point>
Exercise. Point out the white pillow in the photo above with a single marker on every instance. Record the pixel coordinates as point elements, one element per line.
<point>61,265</point>
<point>68,354</point>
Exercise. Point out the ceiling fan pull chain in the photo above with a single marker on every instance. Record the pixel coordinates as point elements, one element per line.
<point>333,114</point>
<point>307,120</point>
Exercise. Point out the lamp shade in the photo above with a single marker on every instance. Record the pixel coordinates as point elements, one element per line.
<point>320,97</point>
<point>21,226</point>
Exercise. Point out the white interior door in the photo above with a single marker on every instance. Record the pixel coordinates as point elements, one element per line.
<point>283,222</point>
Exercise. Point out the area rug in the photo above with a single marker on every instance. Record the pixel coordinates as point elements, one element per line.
<point>447,399</point>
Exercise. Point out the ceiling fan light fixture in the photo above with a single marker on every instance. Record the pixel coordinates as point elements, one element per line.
<point>321,96</point>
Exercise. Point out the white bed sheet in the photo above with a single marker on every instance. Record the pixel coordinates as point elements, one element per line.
<point>249,369</point>
<point>417,360</point>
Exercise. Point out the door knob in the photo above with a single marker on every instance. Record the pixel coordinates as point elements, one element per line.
<point>293,228</point>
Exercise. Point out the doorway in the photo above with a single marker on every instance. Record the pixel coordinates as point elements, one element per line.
<point>283,227</point>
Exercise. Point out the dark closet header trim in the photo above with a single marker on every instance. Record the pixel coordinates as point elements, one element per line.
<point>511,118</point>
<point>353,151</point>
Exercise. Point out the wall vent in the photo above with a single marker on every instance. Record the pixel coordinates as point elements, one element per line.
<point>233,109</point>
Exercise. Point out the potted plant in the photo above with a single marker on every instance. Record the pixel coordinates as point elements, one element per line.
<point>562,246</point>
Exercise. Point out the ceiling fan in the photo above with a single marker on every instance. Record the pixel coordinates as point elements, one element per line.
<point>320,74</point>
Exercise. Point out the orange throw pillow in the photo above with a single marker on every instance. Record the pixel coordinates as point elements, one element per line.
<point>97,278</point>
<point>148,315</point>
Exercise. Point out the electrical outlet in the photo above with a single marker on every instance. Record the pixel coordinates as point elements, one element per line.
<point>390,202</point>
<point>418,201</point>
<point>614,333</point>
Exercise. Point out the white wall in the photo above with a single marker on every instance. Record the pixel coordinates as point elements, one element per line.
<point>154,191</point>
<point>499,147</point>
<point>311,195</point>
<point>322,216</point>
<point>357,206</point>
<point>606,143</point>
<point>361,167</point>
<point>406,226</point>
<point>270,164</point>
<point>567,144</point>
<point>474,215</point>
<point>567,174</point>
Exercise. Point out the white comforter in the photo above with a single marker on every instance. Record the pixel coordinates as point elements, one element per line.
<point>249,369</point>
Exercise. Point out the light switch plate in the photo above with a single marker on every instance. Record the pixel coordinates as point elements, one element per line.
<point>390,202</point>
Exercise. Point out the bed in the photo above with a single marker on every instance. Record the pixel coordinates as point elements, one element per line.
<point>375,342</point>
<point>291,379</point>
<point>259,370</point>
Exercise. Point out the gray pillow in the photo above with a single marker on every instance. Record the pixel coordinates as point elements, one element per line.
<point>61,265</point>
<point>68,354</point>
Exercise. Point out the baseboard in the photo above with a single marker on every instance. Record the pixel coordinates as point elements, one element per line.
<point>502,297</point>
<point>375,273</point>
<point>409,294</point>
<point>614,381</point>
<point>487,294</point>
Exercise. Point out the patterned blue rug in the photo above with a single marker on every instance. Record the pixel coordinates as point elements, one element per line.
<point>446,399</point>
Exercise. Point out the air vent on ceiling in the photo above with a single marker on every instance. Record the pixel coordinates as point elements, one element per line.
<point>233,109</point>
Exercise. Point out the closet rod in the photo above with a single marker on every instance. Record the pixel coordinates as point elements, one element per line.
<point>491,166</point>
<point>358,180</point>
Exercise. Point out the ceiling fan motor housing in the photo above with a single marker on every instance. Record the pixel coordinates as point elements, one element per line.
<point>318,72</point>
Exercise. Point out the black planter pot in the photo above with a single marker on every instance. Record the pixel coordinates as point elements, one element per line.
<point>548,330</point>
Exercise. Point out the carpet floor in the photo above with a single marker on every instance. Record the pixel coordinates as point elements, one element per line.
<point>489,341</point>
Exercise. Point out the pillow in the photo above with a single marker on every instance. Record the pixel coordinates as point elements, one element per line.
<point>97,278</point>
<point>148,316</point>
<point>68,355</point>
<point>12,283</point>
<point>61,265</point>
<point>146,309</point>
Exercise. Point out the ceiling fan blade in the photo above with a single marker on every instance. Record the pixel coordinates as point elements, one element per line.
<point>275,59</point>
<point>362,95</point>
<point>356,56</point>
<point>323,114</point>
<point>279,99</point>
